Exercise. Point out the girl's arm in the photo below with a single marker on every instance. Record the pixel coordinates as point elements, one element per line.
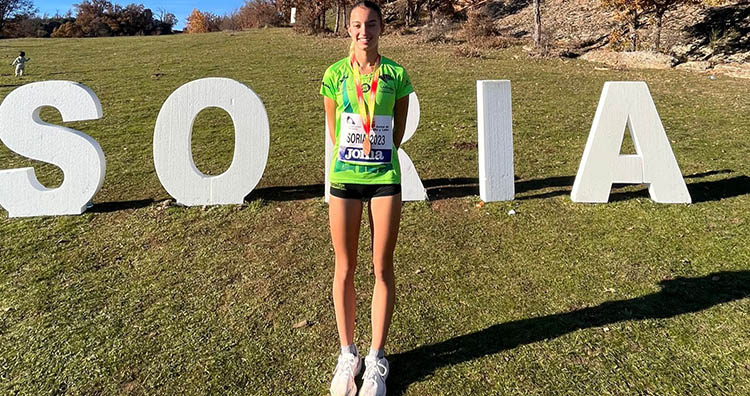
<point>330,107</point>
<point>400,110</point>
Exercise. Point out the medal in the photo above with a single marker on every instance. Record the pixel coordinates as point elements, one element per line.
<point>367,116</point>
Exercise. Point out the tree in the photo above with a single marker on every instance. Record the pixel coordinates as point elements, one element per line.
<point>258,13</point>
<point>9,8</point>
<point>97,18</point>
<point>311,15</point>
<point>196,22</point>
<point>213,21</point>
<point>660,7</point>
<point>341,6</point>
<point>67,29</point>
<point>631,13</point>
<point>135,20</point>
<point>164,21</point>
<point>537,36</point>
<point>166,17</point>
<point>443,8</point>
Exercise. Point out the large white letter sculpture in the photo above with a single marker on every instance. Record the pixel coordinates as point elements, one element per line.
<point>78,155</point>
<point>173,158</point>
<point>412,188</point>
<point>495,126</point>
<point>628,104</point>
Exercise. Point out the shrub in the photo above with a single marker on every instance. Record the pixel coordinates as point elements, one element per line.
<point>468,51</point>
<point>310,17</point>
<point>67,29</point>
<point>437,30</point>
<point>478,25</point>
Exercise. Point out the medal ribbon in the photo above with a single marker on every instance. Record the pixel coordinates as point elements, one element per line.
<point>364,107</point>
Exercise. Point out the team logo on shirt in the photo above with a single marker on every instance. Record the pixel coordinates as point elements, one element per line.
<point>386,86</point>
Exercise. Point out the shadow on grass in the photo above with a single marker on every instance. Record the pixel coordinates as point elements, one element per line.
<point>106,207</point>
<point>709,173</point>
<point>705,191</point>
<point>700,191</point>
<point>719,189</point>
<point>453,187</point>
<point>459,187</point>
<point>286,193</point>
<point>677,296</point>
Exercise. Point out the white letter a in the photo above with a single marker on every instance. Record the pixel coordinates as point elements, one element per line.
<point>628,104</point>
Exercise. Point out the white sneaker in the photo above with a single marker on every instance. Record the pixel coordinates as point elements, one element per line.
<point>343,377</point>
<point>373,381</point>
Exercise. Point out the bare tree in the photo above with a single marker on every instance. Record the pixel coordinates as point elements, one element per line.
<point>165,16</point>
<point>8,8</point>
<point>659,8</point>
<point>631,13</point>
<point>537,24</point>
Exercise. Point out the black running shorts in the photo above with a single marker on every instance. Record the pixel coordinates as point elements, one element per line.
<point>364,192</point>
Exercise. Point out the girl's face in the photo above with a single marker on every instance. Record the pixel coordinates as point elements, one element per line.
<point>365,28</point>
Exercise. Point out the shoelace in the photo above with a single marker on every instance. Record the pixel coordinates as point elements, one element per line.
<point>369,372</point>
<point>345,366</point>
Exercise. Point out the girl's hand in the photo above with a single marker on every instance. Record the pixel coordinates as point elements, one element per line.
<point>330,107</point>
<point>400,110</point>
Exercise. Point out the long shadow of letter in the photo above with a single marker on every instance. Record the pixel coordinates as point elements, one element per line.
<point>106,207</point>
<point>287,193</point>
<point>678,296</point>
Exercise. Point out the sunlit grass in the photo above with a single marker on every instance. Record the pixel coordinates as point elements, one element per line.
<point>138,297</point>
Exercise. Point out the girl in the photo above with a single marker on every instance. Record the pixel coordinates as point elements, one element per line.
<point>366,98</point>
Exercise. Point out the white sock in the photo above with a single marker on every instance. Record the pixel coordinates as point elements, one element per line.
<point>349,349</point>
<point>377,353</point>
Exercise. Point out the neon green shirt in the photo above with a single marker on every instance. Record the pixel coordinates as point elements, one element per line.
<point>349,164</point>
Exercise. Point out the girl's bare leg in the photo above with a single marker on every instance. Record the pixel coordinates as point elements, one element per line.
<point>385,216</point>
<point>345,216</point>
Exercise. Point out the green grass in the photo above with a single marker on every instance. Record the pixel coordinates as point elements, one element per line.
<point>135,297</point>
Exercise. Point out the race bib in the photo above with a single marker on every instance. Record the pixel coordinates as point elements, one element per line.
<point>352,134</point>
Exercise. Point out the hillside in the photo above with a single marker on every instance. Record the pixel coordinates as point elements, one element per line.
<point>689,33</point>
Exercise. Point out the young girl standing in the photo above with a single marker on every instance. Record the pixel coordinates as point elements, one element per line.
<point>366,98</point>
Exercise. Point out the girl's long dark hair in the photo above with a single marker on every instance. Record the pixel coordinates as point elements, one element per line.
<point>371,5</point>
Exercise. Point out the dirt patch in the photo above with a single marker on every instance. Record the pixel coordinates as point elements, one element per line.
<point>451,206</point>
<point>737,70</point>
<point>465,146</point>
<point>653,60</point>
<point>630,60</point>
<point>700,66</point>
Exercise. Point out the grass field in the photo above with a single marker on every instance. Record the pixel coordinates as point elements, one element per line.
<point>140,297</point>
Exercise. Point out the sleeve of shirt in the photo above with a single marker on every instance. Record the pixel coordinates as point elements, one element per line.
<point>404,85</point>
<point>328,85</point>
